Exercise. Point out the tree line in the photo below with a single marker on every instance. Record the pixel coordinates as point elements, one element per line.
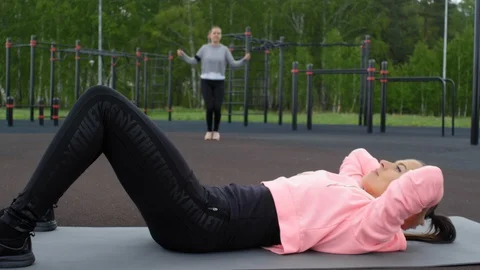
<point>406,33</point>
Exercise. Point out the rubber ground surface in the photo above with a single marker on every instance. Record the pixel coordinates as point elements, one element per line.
<point>245,155</point>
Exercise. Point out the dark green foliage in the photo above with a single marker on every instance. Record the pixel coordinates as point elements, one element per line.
<point>406,33</point>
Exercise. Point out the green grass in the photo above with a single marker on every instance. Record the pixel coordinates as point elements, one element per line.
<point>183,114</point>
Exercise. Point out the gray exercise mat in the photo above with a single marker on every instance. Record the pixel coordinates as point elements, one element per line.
<point>132,248</point>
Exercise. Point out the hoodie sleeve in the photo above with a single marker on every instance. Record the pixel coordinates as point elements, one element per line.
<point>196,58</point>
<point>231,61</point>
<point>358,163</point>
<point>410,194</point>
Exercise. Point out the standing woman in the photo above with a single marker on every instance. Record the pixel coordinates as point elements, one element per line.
<point>213,58</point>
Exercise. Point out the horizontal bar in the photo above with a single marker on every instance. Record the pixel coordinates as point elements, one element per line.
<point>414,79</point>
<point>19,45</point>
<point>257,48</point>
<point>102,53</point>
<point>55,44</point>
<point>297,44</point>
<point>161,56</point>
<point>252,39</point>
<point>277,44</point>
<point>44,45</point>
<point>234,35</point>
<point>337,71</point>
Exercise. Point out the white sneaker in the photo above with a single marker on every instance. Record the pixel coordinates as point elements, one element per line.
<point>216,136</point>
<point>208,135</point>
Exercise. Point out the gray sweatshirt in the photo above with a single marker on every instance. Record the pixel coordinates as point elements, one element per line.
<point>214,59</point>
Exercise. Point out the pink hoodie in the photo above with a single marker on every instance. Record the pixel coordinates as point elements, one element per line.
<point>331,213</point>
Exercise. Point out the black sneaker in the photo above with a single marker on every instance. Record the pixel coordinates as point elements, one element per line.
<point>15,253</point>
<point>47,222</point>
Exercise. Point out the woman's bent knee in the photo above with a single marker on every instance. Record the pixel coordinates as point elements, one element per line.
<point>100,89</point>
<point>102,93</point>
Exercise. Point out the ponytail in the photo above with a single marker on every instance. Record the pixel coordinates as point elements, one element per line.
<point>441,230</point>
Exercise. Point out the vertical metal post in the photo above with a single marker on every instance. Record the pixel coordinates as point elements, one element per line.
<point>445,40</point>
<point>100,76</point>
<point>9,107</point>
<point>453,104</point>
<point>52,77</point>
<point>113,65</point>
<point>280,81</point>
<point>361,97</point>
<point>55,112</point>
<point>8,45</point>
<point>170,59</point>
<point>77,69</point>
<point>366,56</point>
<point>309,95</point>
<point>475,73</point>
<point>33,44</point>
<point>137,77</point>
<point>265,86</point>
<point>248,35</point>
<point>294,94</point>
<point>145,83</point>
<point>230,86</point>
<point>383,81</point>
<point>444,96</point>
<point>370,83</point>
<point>41,106</point>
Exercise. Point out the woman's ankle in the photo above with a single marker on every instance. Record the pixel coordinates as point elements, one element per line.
<point>9,233</point>
<point>18,222</point>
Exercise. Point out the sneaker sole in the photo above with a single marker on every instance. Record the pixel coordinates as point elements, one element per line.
<point>46,226</point>
<point>17,261</point>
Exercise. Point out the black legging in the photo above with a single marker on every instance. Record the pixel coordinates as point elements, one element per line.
<point>213,92</point>
<point>180,213</point>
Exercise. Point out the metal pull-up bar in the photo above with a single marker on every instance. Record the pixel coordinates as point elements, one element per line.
<point>370,72</point>
<point>385,80</point>
<point>77,50</point>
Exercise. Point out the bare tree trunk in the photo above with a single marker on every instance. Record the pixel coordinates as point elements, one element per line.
<point>298,24</point>
<point>324,34</point>
<point>211,12</point>
<point>192,49</point>
<point>232,5</point>
<point>270,23</point>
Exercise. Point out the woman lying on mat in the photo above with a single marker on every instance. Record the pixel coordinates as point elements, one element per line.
<point>364,208</point>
